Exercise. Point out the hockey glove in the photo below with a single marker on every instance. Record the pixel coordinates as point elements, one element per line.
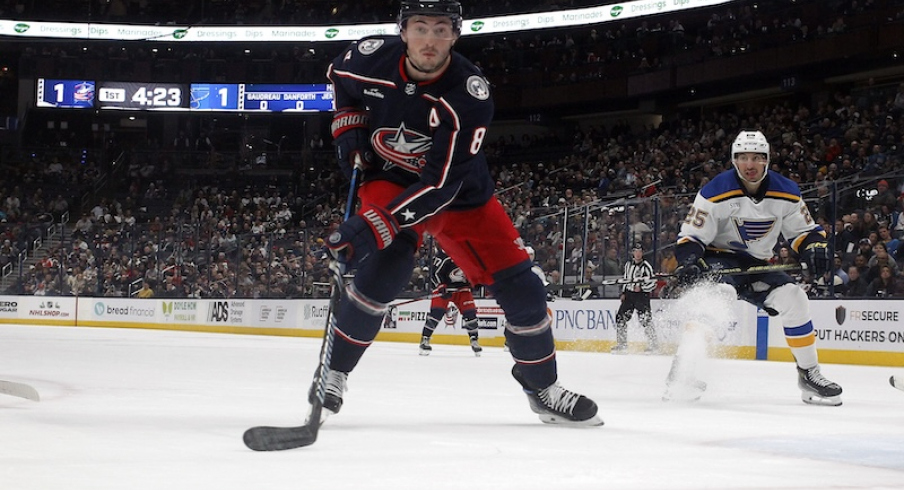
<point>351,137</point>
<point>363,234</point>
<point>816,256</point>
<point>691,270</point>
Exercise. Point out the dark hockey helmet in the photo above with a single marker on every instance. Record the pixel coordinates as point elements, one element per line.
<point>446,8</point>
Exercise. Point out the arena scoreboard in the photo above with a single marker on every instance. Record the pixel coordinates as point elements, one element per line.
<point>69,94</point>
<point>256,97</point>
<point>141,96</point>
<point>155,96</point>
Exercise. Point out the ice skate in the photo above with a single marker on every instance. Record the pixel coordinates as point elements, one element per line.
<point>425,348</point>
<point>686,390</point>
<point>336,385</point>
<point>476,347</point>
<point>681,385</point>
<point>815,389</point>
<point>897,382</point>
<point>556,405</point>
<point>619,349</point>
<point>652,349</point>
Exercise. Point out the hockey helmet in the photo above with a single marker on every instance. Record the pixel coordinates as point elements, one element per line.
<point>446,8</point>
<point>750,142</point>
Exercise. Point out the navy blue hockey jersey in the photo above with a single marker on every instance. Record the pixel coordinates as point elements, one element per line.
<point>445,271</point>
<point>427,136</point>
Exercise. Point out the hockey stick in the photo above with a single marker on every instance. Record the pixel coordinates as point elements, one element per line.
<point>732,271</point>
<point>897,382</point>
<point>267,438</point>
<point>20,390</point>
<point>421,298</point>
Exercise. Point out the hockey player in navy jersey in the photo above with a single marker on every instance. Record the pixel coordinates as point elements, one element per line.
<point>735,221</point>
<point>450,286</point>
<point>414,114</point>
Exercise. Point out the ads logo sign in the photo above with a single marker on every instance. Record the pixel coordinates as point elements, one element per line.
<point>9,306</point>
<point>226,311</point>
<point>218,312</point>
<point>616,11</point>
<point>99,308</point>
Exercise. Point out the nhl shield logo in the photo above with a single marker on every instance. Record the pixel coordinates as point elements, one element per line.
<point>840,314</point>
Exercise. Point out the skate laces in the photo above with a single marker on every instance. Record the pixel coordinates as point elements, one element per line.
<point>815,377</point>
<point>335,383</point>
<point>558,398</point>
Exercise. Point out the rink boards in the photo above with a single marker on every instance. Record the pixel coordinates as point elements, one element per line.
<point>847,331</point>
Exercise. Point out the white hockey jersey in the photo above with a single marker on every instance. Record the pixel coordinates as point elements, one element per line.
<point>726,218</point>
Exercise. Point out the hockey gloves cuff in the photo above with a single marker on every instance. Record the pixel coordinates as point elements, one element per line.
<point>363,234</point>
<point>816,256</point>
<point>691,270</point>
<point>351,137</point>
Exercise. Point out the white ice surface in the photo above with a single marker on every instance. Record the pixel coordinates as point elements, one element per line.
<point>151,410</point>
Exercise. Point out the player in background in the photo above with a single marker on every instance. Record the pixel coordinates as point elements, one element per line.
<point>636,297</point>
<point>735,221</point>
<point>532,254</point>
<point>450,286</point>
<point>414,114</point>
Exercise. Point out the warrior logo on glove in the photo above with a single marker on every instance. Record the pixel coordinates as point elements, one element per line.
<point>373,229</point>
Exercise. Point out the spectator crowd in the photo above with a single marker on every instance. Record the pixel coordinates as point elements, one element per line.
<point>581,195</point>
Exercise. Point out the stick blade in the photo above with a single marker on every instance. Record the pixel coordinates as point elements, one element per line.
<point>265,438</point>
<point>20,390</point>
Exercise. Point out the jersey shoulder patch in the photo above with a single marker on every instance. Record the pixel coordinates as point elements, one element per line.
<point>369,46</point>
<point>722,188</point>
<point>478,87</point>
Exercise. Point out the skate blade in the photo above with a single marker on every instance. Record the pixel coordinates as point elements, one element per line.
<point>688,393</point>
<point>424,352</point>
<point>548,418</point>
<point>477,353</point>
<point>684,398</point>
<point>825,401</point>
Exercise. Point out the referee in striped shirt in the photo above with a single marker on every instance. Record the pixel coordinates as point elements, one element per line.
<point>636,296</point>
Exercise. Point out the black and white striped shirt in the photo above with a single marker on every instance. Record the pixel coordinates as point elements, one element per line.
<point>639,271</point>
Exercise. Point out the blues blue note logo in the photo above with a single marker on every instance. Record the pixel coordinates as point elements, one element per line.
<point>751,231</point>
